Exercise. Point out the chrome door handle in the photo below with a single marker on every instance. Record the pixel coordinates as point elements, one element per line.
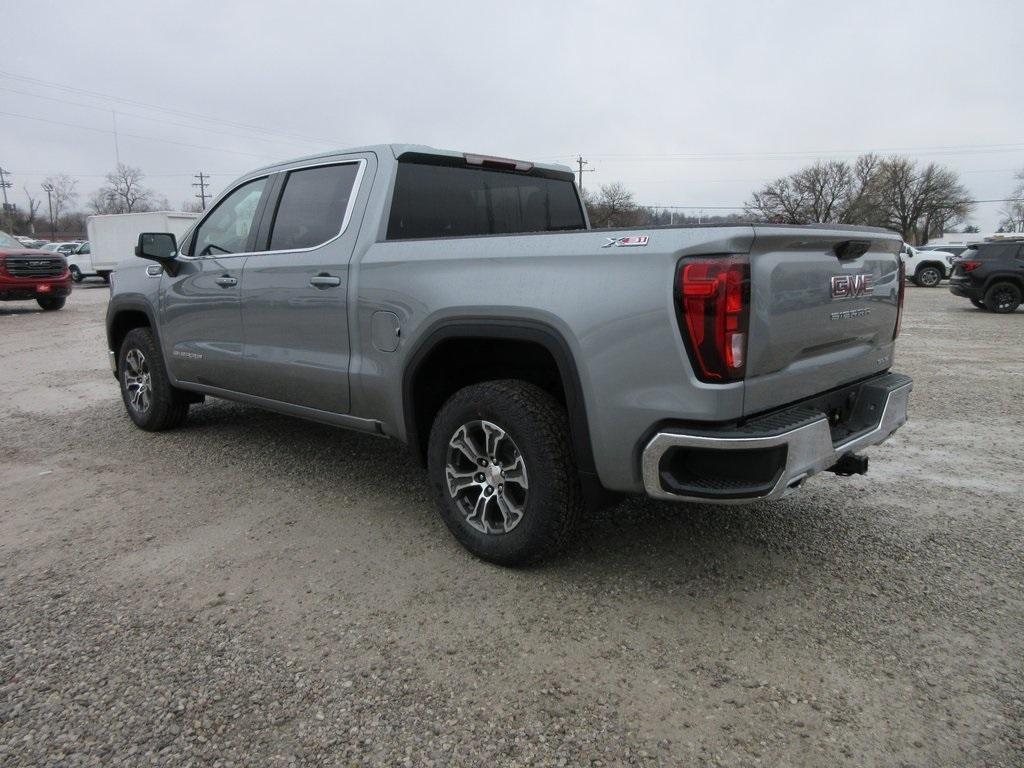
<point>226,282</point>
<point>325,281</point>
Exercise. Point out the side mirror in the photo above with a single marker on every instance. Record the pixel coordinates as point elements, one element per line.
<point>159,247</point>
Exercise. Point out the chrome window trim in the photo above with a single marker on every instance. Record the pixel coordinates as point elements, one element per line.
<point>356,184</point>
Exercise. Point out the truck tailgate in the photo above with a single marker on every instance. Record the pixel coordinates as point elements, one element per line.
<point>824,305</point>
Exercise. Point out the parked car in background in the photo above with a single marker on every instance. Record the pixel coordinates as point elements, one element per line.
<point>926,268</point>
<point>62,248</point>
<point>113,237</point>
<point>991,275</point>
<point>462,305</point>
<point>28,274</point>
<point>956,250</point>
<point>80,263</point>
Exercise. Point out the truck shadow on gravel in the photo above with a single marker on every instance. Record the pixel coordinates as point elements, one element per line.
<point>633,532</point>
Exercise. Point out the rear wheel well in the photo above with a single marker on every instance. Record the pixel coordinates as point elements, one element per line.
<point>458,362</point>
<point>1012,279</point>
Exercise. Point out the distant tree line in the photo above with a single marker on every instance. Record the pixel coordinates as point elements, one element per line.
<point>918,201</point>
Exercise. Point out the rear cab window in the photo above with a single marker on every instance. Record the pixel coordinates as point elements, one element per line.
<point>314,206</point>
<point>437,196</point>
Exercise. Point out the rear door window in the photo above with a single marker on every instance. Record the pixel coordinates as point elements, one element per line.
<point>452,201</point>
<point>313,206</point>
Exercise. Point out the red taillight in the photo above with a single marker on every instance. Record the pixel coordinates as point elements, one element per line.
<point>899,300</point>
<point>714,303</point>
<point>969,266</point>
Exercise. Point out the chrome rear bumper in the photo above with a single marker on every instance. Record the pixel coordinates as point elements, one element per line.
<point>800,451</point>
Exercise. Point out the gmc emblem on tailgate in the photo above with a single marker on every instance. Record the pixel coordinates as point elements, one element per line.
<point>851,286</point>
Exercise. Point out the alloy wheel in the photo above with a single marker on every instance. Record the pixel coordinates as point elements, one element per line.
<point>486,477</point>
<point>137,381</point>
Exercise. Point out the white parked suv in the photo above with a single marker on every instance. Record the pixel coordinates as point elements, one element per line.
<point>926,268</point>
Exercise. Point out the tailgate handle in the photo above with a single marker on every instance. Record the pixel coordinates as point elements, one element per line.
<point>851,249</point>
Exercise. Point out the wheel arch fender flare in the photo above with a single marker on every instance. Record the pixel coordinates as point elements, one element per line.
<point>511,329</point>
<point>118,307</point>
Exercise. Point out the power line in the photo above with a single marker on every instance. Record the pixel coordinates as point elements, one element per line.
<point>131,135</point>
<point>743,207</point>
<point>168,110</point>
<point>160,120</point>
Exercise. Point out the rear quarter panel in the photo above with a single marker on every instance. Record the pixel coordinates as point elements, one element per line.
<point>613,307</point>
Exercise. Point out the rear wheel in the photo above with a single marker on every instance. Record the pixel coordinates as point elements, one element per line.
<point>928,277</point>
<point>152,403</point>
<point>105,276</point>
<point>51,303</point>
<point>503,472</point>
<point>1003,298</point>
<point>76,273</point>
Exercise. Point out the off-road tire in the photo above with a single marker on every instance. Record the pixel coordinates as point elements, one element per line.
<point>539,427</point>
<point>928,277</point>
<point>51,303</point>
<point>167,407</point>
<point>1003,298</point>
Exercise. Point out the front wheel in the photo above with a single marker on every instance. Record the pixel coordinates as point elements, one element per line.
<point>1003,298</point>
<point>503,473</point>
<point>152,403</point>
<point>51,303</point>
<point>928,277</point>
<point>76,273</point>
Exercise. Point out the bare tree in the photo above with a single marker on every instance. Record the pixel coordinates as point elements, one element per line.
<point>123,192</point>
<point>890,192</point>
<point>613,206</point>
<point>920,203</point>
<point>1013,214</point>
<point>29,218</point>
<point>64,195</point>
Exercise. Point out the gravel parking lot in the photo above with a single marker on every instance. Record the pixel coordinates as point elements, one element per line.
<point>256,590</point>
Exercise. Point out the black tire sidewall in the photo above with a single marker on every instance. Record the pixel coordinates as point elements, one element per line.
<point>543,443</point>
<point>990,297</point>
<point>51,303</point>
<point>166,409</point>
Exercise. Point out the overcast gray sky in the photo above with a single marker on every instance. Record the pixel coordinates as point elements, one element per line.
<point>687,103</point>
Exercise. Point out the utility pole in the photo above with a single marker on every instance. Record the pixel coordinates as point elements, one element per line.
<point>581,162</point>
<point>48,189</point>
<point>203,179</point>
<point>8,209</point>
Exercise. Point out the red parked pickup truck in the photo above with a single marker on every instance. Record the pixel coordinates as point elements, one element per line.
<point>28,273</point>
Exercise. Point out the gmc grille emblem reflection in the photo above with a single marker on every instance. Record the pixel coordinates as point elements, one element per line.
<point>851,286</point>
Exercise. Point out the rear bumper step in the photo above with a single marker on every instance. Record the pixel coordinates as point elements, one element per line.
<point>771,455</point>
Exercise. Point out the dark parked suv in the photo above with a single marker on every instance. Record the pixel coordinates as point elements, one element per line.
<point>991,275</point>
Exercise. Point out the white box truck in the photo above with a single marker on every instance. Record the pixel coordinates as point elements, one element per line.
<point>113,237</point>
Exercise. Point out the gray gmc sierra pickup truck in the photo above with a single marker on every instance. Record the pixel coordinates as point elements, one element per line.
<point>462,305</point>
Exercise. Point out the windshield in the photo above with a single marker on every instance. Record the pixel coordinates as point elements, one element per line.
<point>6,241</point>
